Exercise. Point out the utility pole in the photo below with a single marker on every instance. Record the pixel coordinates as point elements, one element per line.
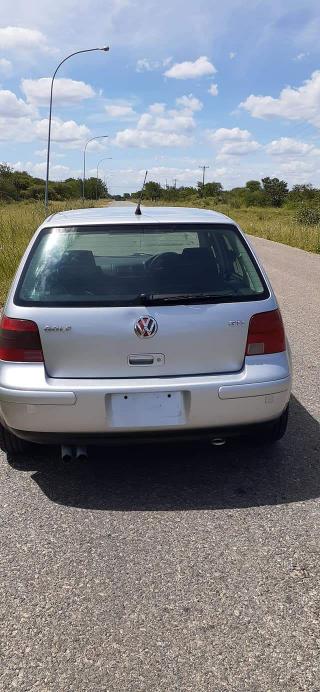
<point>175,183</point>
<point>203,168</point>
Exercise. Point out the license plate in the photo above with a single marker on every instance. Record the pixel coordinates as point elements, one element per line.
<point>147,409</point>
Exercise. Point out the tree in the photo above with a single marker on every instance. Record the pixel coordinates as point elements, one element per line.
<point>276,191</point>
<point>212,189</point>
<point>5,170</point>
<point>254,186</point>
<point>303,195</point>
<point>152,190</point>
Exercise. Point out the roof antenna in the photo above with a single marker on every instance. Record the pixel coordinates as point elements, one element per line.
<point>138,210</point>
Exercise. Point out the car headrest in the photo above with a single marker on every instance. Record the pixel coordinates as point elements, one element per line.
<point>83,259</point>
<point>199,256</point>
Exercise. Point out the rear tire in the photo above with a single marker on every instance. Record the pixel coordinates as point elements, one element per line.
<point>276,430</point>
<point>11,444</point>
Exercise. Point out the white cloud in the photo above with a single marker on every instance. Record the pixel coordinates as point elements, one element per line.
<point>162,174</point>
<point>120,111</point>
<point>238,148</point>
<point>189,103</point>
<point>16,129</point>
<point>191,70</point>
<point>145,65</point>
<point>57,171</point>
<point>5,67</point>
<point>234,134</point>
<point>150,138</point>
<point>302,103</point>
<point>20,38</point>
<point>68,132</point>
<point>66,91</point>
<point>41,152</point>
<point>289,147</point>
<point>12,107</point>
<point>157,108</point>
<point>54,154</point>
<point>299,171</point>
<point>232,142</point>
<point>160,126</point>
<point>160,119</point>
<point>213,90</point>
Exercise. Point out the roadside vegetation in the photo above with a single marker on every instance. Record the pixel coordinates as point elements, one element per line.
<point>19,186</point>
<point>264,208</point>
<point>18,222</point>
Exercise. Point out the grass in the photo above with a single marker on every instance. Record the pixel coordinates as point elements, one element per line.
<point>274,224</point>
<point>278,225</point>
<point>18,223</point>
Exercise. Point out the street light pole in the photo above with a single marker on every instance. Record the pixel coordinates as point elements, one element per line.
<point>84,160</point>
<point>107,158</point>
<point>87,50</point>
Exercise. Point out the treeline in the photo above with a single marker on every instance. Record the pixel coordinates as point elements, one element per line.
<point>269,192</point>
<point>16,186</point>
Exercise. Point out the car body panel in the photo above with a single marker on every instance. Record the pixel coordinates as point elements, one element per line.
<point>193,339</point>
<point>78,387</point>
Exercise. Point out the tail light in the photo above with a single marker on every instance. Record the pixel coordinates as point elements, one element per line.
<point>20,341</point>
<point>266,334</point>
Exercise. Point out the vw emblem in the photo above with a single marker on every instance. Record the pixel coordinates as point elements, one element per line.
<point>145,327</point>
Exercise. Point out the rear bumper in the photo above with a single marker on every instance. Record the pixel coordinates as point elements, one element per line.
<point>155,436</point>
<point>49,409</point>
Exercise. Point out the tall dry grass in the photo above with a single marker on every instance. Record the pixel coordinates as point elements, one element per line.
<point>279,225</point>
<point>18,222</point>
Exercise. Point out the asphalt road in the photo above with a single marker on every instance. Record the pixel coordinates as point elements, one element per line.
<point>173,569</point>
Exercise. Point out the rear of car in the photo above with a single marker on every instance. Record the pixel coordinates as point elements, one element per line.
<point>120,326</point>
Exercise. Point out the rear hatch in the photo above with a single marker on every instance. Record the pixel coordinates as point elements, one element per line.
<point>142,301</point>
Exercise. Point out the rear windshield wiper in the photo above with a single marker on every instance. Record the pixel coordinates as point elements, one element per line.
<point>181,298</point>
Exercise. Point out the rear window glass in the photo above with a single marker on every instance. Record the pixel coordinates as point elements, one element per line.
<point>113,265</point>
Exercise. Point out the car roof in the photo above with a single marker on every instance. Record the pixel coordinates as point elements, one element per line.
<point>126,215</point>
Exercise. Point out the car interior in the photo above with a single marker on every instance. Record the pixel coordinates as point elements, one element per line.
<point>213,265</point>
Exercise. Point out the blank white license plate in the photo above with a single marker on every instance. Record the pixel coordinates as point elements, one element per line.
<point>147,409</point>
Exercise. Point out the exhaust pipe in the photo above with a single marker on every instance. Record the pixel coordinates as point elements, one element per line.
<point>66,453</point>
<point>70,453</point>
<point>218,441</point>
<point>81,454</point>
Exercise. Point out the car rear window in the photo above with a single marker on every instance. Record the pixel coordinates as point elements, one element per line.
<point>118,265</point>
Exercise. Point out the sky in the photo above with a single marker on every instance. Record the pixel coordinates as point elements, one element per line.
<point>232,85</point>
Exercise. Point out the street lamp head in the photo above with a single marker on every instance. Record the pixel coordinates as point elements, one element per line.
<point>105,48</point>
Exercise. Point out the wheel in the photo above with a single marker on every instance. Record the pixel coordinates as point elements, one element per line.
<point>276,430</point>
<point>11,444</point>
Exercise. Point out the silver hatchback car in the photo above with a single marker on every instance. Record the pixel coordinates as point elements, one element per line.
<point>120,326</point>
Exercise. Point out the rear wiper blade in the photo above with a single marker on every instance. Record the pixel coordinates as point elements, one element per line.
<point>181,297</point>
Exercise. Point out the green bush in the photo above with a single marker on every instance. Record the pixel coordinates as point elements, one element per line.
<point>308,216</point>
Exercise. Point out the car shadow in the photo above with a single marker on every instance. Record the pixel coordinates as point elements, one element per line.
<point>185,477</point>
